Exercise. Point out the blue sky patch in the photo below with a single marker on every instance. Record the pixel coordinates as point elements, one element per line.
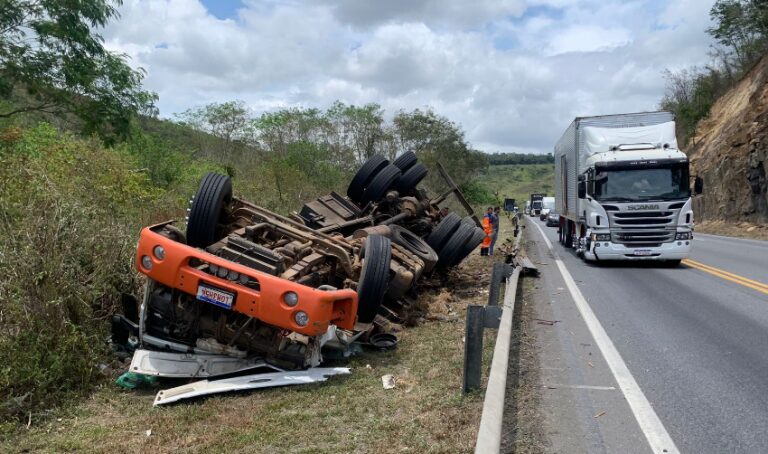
<point>223,9</point>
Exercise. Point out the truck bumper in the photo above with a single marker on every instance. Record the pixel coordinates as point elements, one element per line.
<point>676,250</point>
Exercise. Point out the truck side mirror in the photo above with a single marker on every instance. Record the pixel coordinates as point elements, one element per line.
<point>582,189</point>
<point>698,185</point>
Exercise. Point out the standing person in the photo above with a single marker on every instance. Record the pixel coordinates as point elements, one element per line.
<point>488,229</point>
<point>495,228</point>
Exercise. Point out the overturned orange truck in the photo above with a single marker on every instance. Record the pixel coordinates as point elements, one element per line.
<point>248,284</point>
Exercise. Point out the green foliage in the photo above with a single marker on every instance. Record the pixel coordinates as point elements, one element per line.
<point>517,182</point>
<point>520,158</point>
<point>478,194</point>
<point>50,50</point>
<point>740,28</point>
<point>69,213</point>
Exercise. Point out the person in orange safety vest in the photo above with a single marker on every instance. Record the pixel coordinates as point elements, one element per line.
<point>488,229</point>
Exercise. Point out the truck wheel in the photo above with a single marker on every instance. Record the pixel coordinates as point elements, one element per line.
<point>381,183</point>
<point>212,197</point>
<point>568,235</point>
<point>374,277</point>
<point>415,245</point>
<point>455,246</point>
<point>405,161</point>
<point>411,178</point>
<point>474,241</point>
<point>364,176</point>
<point>443,231</point>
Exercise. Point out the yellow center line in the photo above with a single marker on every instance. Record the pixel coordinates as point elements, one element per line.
<point>755,285</point>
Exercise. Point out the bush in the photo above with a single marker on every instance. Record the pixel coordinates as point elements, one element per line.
<point>69,214</point>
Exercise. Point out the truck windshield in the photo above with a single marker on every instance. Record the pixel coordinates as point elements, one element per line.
<point>549,204</point>
<point>669,182</point>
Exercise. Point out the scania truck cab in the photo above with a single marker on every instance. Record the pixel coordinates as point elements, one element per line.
<point>622,189</point>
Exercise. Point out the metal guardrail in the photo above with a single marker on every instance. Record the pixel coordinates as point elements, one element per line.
<point>493,316</point>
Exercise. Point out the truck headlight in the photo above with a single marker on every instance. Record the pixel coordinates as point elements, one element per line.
<point>601,237</point>
<point>683,236</point>
<point>159,252</point>
<point>291,299</point>
<point>301,318</point>
<point>146,262</point>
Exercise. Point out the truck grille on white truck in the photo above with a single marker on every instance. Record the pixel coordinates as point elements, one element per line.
<point>642,229</point>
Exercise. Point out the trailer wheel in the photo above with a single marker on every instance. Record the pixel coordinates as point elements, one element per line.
<point>381,183</point>
<point>211,199</point>
<point>374,277</point>
<point>364,176</point>
<point>411,178</point>
<point>568,234</point>
<point>455,246</point>
<point>415,245</point>
<point>405,161</point>
<point>442,233</point>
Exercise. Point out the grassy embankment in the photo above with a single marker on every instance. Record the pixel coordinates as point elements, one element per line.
<point>520,181</point>
<point>424,413</point>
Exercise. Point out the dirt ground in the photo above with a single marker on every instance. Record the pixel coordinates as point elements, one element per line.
<point>738,230</point>
<point>426,412</point>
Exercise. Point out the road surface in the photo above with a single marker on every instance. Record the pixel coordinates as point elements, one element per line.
<point>693,338</point>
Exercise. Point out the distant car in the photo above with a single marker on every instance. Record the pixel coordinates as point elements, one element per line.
<point>544,213</point>
<point>553,219</point>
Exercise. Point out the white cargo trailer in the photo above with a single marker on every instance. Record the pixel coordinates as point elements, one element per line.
<point>622,188</point>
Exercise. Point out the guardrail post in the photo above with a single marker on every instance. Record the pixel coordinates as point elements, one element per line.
<point>473,348</point>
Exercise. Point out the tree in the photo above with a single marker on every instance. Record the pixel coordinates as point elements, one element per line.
<point>228,121</point>
<point>49,49</point>
<point>434,139</point>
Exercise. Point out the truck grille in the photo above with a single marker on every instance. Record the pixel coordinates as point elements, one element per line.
<point>642,228</point>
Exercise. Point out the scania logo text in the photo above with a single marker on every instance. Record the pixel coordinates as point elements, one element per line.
<point>643,207</point>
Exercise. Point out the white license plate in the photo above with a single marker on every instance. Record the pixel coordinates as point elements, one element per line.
<point>642,252</point>
<point>215,296</point>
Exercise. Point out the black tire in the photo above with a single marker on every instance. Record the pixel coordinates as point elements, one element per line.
<point>386,179</point>
<point>212,197</point>
<point>374,277</point>
<point>442,233</point>
<point>364,176</point>
<point>405,161</point>
<point>567,237</point>
<point>474,241</point>
<point>411,178</point>
<point>673,263</point>
<point>415,245</point>
<point>455,246</point>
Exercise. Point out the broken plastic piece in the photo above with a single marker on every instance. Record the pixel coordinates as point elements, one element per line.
<point>246,382</point>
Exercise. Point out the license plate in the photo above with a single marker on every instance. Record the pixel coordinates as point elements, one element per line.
<point>642,252</point>
<point>215,296</point>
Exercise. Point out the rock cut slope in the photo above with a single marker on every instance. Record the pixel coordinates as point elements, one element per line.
<point>730,152</point>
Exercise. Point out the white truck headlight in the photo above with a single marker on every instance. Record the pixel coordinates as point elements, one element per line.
<point>301,318</point>
<point>683,236</point>
<point>146,262</point>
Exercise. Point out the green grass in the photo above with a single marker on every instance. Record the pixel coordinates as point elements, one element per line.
<point>520,181</point>
<point>426,412</point>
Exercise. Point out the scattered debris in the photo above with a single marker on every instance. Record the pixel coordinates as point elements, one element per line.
<point>545,322</point>
<point>247,382</point>
<point>148,432</point>
<point>388,381</point>
<point>599,415</point>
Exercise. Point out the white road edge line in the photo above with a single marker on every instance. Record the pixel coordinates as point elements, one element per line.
<point>657,436</point>
<point>590,387</point>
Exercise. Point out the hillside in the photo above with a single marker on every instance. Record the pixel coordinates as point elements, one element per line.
<point>730,152</point>
<point>519,181</point>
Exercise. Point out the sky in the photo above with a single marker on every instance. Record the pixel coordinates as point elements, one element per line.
<point>512,73</point>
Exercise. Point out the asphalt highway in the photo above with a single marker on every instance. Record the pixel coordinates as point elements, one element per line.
<point>694,338</point>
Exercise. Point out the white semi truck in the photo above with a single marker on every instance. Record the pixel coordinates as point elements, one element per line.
<point>622,188</point>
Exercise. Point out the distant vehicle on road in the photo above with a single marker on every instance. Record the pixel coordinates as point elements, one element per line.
<point>553,219</point>
<point>536,204</point>
<point>622,188</point>
<point>527,207</point>
<point>547,205</point>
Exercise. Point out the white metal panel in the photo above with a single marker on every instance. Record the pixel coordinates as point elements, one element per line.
<point>600,140</point>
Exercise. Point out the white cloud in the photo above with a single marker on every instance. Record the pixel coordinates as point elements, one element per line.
<point>512,73</point>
